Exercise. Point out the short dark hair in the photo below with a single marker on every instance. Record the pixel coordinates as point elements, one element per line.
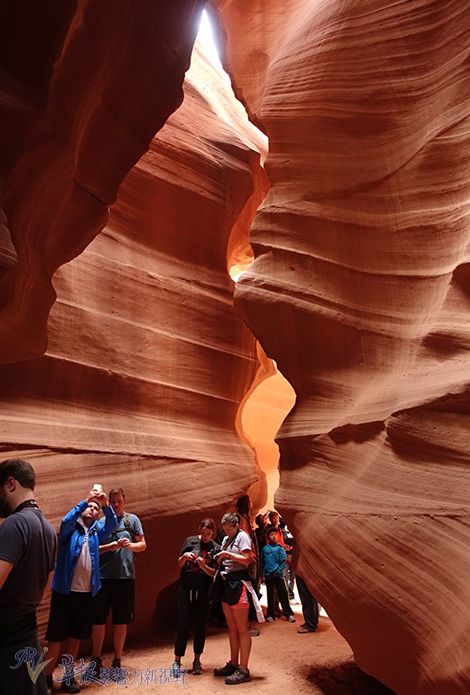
<point>116,491</point>
<point>271,529</point>
<point>207,523</point>
<point>21,471</point>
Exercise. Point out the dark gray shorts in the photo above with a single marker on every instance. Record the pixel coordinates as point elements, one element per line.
<point>116,595</point>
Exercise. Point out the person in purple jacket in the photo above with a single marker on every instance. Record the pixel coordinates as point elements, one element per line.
<point>76,580</point>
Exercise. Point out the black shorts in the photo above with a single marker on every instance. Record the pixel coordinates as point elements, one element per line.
<point>118,595</point>
<point>70,616</point>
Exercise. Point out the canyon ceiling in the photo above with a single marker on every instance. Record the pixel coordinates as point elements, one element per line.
<point>124,358</point>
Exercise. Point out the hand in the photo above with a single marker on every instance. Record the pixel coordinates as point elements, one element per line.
<point>114,545</point>
<point>200,561</point>
<point>103,499</point>
<point>124,543</point>
<point>223,554</point>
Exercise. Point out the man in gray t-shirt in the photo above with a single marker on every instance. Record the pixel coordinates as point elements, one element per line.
<point>28,545</point>
<point>117,572</point>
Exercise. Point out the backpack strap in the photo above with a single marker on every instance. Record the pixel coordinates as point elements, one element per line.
<point>230,541</point>
<point>128,526</point>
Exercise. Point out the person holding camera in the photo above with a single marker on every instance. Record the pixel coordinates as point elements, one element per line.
<point>197,571</point>
<point>233,587</point>
<point>76,579</point>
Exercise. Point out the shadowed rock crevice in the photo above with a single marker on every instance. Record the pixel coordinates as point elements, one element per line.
<point>346,679</point>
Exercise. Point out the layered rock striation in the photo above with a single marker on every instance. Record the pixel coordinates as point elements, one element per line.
<point>147,363</point>
<point>82,92</point>
<point>360,292</point>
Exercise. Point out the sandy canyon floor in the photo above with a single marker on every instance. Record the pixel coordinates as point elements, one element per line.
<point>282,661</point>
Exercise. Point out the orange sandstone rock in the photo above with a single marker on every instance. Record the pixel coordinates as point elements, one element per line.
<point>147,363</point>
<point>73,129</point>
<point>359,291</point>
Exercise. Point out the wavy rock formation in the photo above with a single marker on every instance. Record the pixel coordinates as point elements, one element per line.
<point>262,412</point>
<point>360,291</point>
<point>82,93</point>
<point>147,362</point>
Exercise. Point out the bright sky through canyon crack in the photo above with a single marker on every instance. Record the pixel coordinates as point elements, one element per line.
<point>206,38</point>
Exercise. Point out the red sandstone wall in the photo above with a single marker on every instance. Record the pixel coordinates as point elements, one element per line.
<point>147,362</point>
<point>82,92</point>
<point>361,261</point>
<point>360,292</point>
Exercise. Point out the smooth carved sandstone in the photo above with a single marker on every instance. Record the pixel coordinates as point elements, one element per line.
<point>82,92</point>
<point>360,291</point>
<point>147,362</point>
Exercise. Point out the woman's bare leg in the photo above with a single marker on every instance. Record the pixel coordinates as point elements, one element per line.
<point>232,633</point>
<point>244,638</point>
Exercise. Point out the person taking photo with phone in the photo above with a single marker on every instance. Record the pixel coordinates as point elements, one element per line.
<point>197,571</point>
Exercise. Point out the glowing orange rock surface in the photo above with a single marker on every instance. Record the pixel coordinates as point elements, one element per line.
<point>360,292</point>
<point>147,362</point>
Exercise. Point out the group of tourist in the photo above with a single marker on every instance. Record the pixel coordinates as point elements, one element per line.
<point>230,572</point>
<point>95,574</point>
<point>213,572</point>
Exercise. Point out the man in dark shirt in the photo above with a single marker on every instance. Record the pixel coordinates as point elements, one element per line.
<point>28,545</point>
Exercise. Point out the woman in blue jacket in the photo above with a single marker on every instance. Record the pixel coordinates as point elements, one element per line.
<point>76,579</point>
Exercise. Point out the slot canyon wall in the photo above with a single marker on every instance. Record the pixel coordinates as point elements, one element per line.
<point>360,290</point>
<point>146,362</point>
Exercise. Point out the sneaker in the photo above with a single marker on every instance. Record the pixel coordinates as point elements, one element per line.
<point>116,663</point>
<point>240,676</point>
<point>290,619</point>
<point>254,632</point>
<point>270,619</point>
<point>226,670</point>
<point>197,667</point>
<point>304,629</point>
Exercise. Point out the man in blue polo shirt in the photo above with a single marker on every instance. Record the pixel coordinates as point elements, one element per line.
<point>117,570</point>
